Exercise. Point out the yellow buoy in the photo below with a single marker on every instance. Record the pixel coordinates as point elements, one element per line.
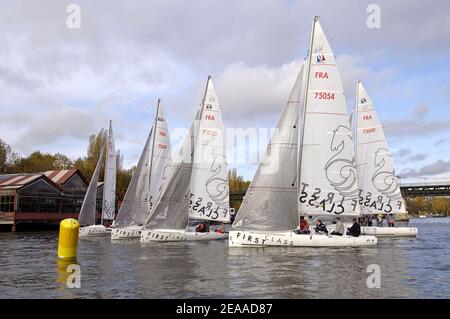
<point>68,238</point>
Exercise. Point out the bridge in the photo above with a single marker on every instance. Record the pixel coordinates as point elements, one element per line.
<point>423,189</point>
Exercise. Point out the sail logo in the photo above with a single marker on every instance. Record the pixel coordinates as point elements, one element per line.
<point>162,146</point>
<point>160,119</point>
<point>363,100</point>
<point>161,133</point>
<point>320,58</point>
<point>210,117</point>
<point>367,117</point>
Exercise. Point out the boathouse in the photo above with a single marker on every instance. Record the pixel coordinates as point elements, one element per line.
<point>42,198</point>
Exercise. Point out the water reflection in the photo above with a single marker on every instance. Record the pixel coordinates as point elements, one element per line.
<point>129,269</point>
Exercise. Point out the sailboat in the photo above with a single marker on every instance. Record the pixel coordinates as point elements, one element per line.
<point>317,178</point>
<point>146,182</point>
<point>87,213</point>
<point>379,186</point>
<point>197,185</point>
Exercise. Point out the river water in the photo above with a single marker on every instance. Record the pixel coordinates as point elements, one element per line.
<point>410,268</point>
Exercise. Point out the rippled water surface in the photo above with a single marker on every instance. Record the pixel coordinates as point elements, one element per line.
<point>410,268</point>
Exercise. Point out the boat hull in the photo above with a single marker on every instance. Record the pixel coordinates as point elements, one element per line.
<point>130,232</point>
<point>171,235</point>
<point>239,238</point>
<point>93,231</point>
<point>390,231</point>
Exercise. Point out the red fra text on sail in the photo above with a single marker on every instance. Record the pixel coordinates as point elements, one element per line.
<point>367,117</point>
<point>161,133</point>
<point>321,75</point>
<point>209,117</point>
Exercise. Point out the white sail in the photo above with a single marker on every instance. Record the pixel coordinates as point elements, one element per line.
<point>88,209</point>
<point>161,157</point>
<point>172,205</point>
<point>135,206</point>
<point>144,187</point>
<point>209,195</point>
<point>271,200</point>
<point>379,186</point>
<point>328,181</point>
<point>109,187</point>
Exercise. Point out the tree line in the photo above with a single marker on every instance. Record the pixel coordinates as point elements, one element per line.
<point>12,162</point>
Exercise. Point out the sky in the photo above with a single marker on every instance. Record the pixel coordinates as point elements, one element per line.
<point>59,85</point>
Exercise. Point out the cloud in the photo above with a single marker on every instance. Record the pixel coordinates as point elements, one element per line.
<point>402,152</point>
<point>417,157</point>
<point>438,167</point>
<point>442,141</point>
<point>53,127</point>
<point>417,124</point>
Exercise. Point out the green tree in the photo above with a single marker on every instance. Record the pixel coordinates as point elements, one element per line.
<point>8,158</point>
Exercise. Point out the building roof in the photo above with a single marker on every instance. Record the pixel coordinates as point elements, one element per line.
<point>56,177</point>
<point>60,177</point>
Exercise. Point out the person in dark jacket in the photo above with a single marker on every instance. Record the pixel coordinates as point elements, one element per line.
<point>355,230</point>
<point>321,228</point>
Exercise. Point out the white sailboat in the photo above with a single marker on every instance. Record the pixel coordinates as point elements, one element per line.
<point>379,186</point>
<point>322,181</point>
<point>197,186</point>
<point>146,182</point>
<point>109,192</point>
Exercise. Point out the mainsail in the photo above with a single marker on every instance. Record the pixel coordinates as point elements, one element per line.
<point>271,200</point>
<point>379,186</point>
<point>209,195</point>
<point>144,187</point>
<point>88,209</point>
<point>328,181</point>
<point>172,206</point>
<point>109,188</point>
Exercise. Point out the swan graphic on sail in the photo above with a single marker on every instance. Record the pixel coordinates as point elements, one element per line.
<point>379,186</point>
<point>326,182</point>
<point>197,185</point>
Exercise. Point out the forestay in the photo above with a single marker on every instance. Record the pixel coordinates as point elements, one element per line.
<point>328,182</point>
<point>271,200</point>
<point>109,187</point>
<point>379,186</point>
<point>88,209</point>
<point>209,195</point>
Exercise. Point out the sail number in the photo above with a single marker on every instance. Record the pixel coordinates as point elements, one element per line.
<point>369,130</point>
<point>324,96</point>
<point>209,132</point>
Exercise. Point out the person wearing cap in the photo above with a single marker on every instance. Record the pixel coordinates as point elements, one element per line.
<point>321,228</point>
<point>355,230</point>
<point>339,231</point>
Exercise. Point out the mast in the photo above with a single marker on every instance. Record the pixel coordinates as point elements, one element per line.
<point>196,130</point>
<point>305,99</point>
<point>153,147</point>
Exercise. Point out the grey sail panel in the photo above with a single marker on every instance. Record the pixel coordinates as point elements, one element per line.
<point>88,209</point>
<point>271,200</point>
<point>136,203</point>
